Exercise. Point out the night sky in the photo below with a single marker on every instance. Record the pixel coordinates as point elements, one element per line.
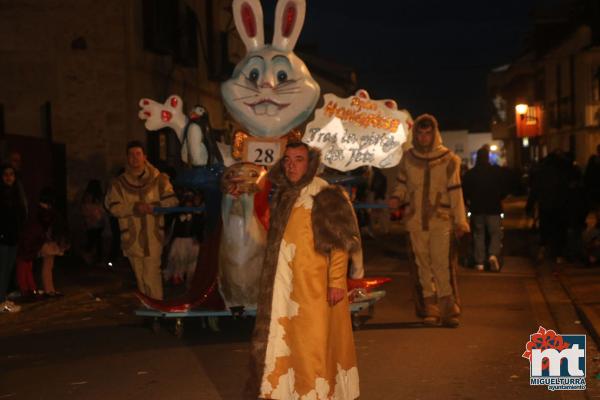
<point>429,56</point>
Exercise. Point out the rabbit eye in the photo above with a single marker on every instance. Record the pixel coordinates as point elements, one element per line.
<point>282,76</point>
<point>254,74</point>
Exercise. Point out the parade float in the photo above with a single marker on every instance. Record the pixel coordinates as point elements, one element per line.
<point>270,94</point>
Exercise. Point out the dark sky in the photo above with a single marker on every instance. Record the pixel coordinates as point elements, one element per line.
<point>430,56</point>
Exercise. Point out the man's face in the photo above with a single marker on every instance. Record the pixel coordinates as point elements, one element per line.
<point>8,177</point>
<point>425,136</point>
<point>295,163</point>
<point>136,158</point>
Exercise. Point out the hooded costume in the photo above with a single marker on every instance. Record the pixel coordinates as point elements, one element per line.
<point>430,189</point>
<point>303,348</point>
<point>142,236</point>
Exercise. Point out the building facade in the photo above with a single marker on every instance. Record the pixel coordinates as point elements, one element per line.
<point>73,72</point>
<point>558,82</point>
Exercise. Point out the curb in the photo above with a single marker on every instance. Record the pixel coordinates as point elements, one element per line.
<point>566,316</point>
<point>590,319</point>
<point>586,312</point>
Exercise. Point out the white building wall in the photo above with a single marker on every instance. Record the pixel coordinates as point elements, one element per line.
<point>465,145</point>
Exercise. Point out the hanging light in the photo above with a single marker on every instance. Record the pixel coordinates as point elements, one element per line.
<point>521,109</point>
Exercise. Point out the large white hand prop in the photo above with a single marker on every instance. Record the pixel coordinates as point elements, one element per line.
<point>171,115</point>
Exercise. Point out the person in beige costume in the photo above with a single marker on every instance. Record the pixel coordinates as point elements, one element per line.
<point>429,187</point>
<point>131,198</point>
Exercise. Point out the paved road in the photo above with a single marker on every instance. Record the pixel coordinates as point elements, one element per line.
<point>86,348</point>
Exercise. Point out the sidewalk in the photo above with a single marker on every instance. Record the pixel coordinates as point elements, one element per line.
<point>583,287</point>
<point>93,295</point>
<point>581,283</point>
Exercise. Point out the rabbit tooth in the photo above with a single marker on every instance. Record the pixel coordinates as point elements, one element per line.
<point>272,109</point>
<point>260,109</point>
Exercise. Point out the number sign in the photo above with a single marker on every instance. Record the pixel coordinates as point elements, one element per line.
<point>263,151</point>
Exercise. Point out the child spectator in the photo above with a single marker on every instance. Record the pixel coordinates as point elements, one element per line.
<point>12,214</point>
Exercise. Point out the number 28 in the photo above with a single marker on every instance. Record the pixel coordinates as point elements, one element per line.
<point>264,156</point>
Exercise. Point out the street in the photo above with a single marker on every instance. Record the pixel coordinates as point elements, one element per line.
<point>90,346</point>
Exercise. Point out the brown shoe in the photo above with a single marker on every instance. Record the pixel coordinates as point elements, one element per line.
<point>449,311</point>
<point>432,311</point>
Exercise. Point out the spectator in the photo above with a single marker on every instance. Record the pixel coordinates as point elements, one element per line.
<point>16,161</point>
<point>115,254</point>
<point>94,220</point>
<point>577,210</point>
<point>12,215</point>
<point>591,238</point>
<point>592,179</point>
<point>45,235</point>
<point>549,191</point>
<point>484,187</point>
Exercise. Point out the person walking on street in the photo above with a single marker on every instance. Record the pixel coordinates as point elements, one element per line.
<point>429,187</point>
<point>484,187</point>
<point>131,198</point>
<point>303,342</point>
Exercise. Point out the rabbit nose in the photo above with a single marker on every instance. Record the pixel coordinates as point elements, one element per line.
<point>268,81</point>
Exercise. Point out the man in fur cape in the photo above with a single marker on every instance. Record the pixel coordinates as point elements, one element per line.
<point>303,345</point>
<point>430,189</point>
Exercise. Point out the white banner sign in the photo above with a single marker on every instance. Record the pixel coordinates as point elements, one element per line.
<point>358,131</point>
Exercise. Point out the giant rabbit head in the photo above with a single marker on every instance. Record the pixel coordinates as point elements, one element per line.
<point>271,90</point>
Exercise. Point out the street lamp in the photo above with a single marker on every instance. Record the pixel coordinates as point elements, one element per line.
<point>522,109</point>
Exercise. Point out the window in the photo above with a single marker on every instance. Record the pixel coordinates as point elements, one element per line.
<point>170,29</point>
<point>160,25</point>
<point>596,85</point>
<point>187,51</point>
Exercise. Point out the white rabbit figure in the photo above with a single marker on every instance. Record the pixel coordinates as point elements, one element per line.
<point>271,91</point>
<point>170,114</point>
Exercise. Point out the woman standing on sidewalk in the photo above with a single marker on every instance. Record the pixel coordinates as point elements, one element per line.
<point>44,236</point>
<point>12,218</point>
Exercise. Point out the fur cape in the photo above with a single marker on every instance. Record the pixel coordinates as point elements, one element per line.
<point>335,227</point>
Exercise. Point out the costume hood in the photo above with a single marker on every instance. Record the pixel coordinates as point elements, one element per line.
<point>138,181</point>
<point>437,137</point>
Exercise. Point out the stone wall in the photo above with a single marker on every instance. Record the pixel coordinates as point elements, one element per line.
<point>87,59</point>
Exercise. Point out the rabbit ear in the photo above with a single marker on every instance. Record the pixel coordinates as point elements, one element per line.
<point>248,18</point>
<point>289,18</point>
